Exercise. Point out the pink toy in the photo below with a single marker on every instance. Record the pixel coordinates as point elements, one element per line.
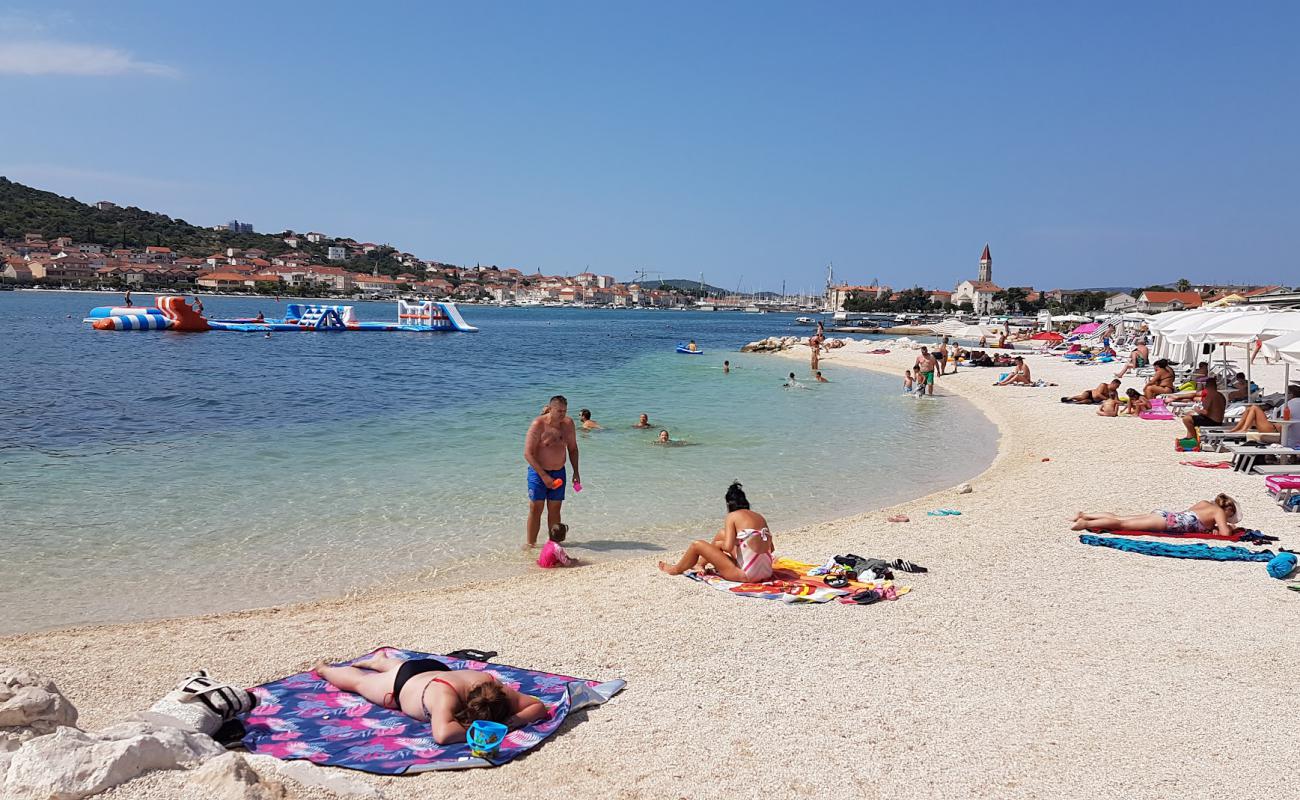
<point>577,486</point>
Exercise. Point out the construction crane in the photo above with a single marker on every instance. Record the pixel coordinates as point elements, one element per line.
<point>641,275</point>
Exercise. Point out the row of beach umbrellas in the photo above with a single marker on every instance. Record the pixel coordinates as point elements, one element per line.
<point>1275,332</point>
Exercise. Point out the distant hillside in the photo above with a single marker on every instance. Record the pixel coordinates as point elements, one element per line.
<point>27,210</point>
<point>682,285</point>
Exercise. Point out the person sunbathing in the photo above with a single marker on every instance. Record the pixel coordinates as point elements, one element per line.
<point>1255,418</point>
<point>1240,388</point>
<point>1140,357</point>
<point>1103,392</point>
<point>742,550</point>
<point>1162,382</point>
<point>1210,412</point>
<point>450,700</point>
<point>1219,514</point>
<point>1202,372</point>
<point>1019,376</point>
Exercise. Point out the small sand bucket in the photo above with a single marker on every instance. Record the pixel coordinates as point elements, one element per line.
<point>484,738</point>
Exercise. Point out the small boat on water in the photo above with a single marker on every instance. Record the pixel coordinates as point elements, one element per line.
<point>803,320</point>
<point>686,350</point>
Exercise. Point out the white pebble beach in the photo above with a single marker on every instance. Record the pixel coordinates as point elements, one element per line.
<point>1023,665</point>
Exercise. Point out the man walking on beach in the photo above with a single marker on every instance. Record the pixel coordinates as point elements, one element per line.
<point>925,364</point>
<point>550,438</point>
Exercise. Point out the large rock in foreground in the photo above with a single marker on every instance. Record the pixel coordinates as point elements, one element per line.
<point>30,706</point>
<point>70,764</point>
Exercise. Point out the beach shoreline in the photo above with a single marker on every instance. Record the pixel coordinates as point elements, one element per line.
<point>486,567</point>
<point>1015,668</point>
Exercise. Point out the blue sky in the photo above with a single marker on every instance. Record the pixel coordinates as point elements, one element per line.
<point>1099,144</point>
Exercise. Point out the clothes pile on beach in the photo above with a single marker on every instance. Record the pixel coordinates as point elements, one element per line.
<point>849,579</point>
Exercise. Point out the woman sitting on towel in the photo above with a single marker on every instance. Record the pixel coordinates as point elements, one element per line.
<point>742,550</point>
<point>1219,514</point>
<point>428,690</point>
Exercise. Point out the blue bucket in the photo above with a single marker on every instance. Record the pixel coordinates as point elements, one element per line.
<point>484,738</point>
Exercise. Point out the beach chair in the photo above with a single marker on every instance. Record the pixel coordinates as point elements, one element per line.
<point>1249,458</point>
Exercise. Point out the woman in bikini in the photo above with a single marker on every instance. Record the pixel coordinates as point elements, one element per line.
<point>742,550</point>
<point>428,690</point>
<point>1219,514</point>
<point>1161,383</point>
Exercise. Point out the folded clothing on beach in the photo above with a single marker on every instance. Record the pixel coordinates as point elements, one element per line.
<point>1207,464</point>
<point>791,582</point>
<point>1199,551</point>
<point>302,716</point>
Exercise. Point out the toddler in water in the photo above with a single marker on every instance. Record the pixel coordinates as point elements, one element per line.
<point>553,554</point>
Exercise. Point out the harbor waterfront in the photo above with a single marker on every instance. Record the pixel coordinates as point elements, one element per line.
<point>149,474</point>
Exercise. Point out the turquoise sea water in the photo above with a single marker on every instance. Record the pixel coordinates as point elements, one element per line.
<point>152,474</point>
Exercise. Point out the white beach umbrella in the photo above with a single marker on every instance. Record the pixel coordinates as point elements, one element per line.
<point>1285,347</point>
<point>1245,328</point>
<point>956,329</point>
<point>1165,325</point>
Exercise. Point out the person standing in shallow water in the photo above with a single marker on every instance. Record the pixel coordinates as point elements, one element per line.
<point>551,438</point>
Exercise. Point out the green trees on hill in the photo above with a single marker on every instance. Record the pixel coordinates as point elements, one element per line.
<point>26,210</point>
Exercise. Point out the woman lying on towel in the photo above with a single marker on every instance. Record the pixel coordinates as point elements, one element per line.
<point>742,550</point>
<point>1219,514</point>
<point>430,691</point>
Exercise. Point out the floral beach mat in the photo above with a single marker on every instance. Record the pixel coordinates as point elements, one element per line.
<point>790,583</point>
<point>302,716</point>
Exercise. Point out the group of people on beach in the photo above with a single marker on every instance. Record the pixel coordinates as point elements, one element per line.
<point>451,700</point>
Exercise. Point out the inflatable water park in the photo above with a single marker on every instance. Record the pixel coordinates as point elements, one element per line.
<point>174,313</point>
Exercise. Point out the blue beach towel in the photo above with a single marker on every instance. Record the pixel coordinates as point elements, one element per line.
<point>1201,551</point>
<point>302,716</point>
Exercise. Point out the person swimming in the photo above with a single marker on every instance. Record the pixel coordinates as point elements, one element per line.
<point>792,383</point>
<point>664,440</point>
<point>588,424</point>
<point>821,378</point>
<point>643,422</point>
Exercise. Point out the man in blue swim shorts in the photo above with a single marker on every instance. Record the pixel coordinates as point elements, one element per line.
<point>551,438</point>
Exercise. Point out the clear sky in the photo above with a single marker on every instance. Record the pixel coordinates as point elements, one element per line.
<point>1105,143</point>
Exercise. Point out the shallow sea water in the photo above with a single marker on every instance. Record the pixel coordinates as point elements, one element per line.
<point>148,474</point>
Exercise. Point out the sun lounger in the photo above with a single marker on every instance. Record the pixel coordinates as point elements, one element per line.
<point>1248,458</point>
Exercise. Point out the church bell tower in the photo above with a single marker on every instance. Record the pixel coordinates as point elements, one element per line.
<point>986,266</point>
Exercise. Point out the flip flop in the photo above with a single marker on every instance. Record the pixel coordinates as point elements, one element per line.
<point>906,566</point>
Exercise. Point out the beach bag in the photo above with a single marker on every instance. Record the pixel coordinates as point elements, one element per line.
<point>1187,445</point>
<point>201,704</point>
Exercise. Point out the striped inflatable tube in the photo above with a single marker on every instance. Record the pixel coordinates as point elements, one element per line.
<point>133,322</point>
<point>99,312</point>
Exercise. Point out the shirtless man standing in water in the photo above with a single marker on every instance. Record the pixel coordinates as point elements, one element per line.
<point>550,438</point>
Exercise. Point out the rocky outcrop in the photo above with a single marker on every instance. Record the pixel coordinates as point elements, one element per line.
<point>30,706</point>
<point>70,764</point>
<point>772,344</point>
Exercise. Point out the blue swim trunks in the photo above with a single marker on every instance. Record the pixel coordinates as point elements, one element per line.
<point>541,491</point>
